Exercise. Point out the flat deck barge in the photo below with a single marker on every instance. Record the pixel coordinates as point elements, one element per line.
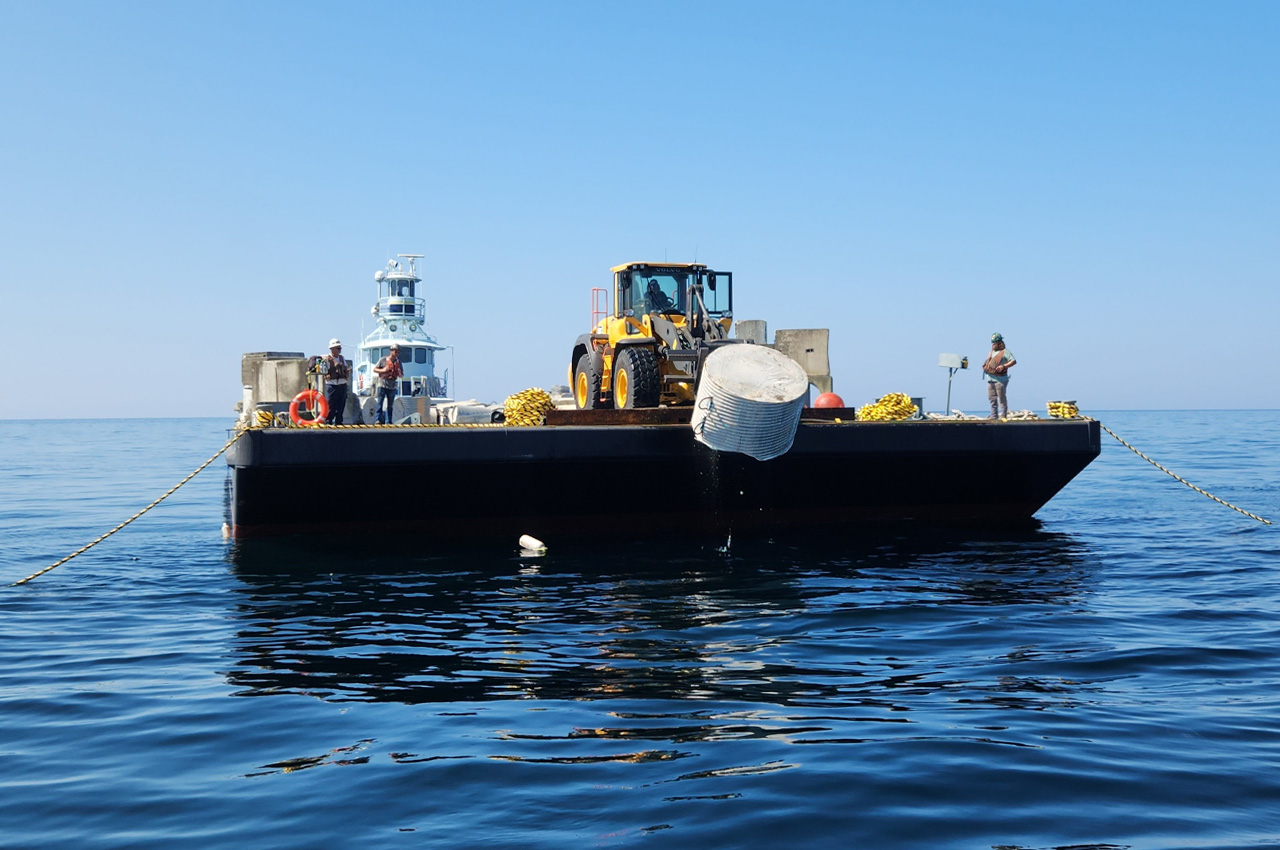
<point>617,474</point>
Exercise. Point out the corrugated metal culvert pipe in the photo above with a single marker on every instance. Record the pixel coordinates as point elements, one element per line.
<point>749,401</point>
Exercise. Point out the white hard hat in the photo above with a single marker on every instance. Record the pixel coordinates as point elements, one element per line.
<point>335,343</point>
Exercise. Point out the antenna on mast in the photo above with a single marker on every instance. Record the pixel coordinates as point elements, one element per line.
<point>412,258</point>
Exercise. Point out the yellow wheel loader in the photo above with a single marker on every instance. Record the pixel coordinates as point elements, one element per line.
<point>649,349</point>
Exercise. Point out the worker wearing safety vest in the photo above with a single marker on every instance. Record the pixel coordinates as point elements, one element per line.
<point>336,380</point>
<point>388,371</point>
<point>996,370</point>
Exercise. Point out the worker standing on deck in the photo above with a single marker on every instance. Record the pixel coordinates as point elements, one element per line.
<point>996,370</point>
<point>336,381</point>
<point>388,371</point>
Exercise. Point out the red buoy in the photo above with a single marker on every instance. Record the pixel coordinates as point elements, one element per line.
<point>828,400</point>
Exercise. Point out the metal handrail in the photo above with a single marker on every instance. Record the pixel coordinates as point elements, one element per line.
<point>419,307</point>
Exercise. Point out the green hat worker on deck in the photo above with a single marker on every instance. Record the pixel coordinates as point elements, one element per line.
<point>996,371</point>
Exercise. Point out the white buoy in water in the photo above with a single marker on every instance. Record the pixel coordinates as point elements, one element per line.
<point>532,544</point>
<point>749,401</point>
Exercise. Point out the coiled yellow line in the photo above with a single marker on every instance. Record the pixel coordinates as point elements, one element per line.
<point>1175,475</point>
<point>527,407</point>
<point>888,408</point>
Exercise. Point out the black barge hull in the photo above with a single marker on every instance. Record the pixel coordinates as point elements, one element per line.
<point>633,481</point>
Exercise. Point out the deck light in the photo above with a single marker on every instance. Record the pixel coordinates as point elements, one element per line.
<point>953,363</point>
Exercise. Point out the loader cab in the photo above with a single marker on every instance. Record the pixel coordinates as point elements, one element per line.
<point>639,291</point>
<point>643,289</point>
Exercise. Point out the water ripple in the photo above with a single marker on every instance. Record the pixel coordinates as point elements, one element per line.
<point>1108,679</point>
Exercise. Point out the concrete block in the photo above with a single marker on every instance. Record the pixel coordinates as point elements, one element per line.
<point>275,376</point>
<point>808,347</point>
<point>755,330</point>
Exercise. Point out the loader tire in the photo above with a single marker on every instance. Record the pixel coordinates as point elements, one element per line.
<point>586,383</point>
<point>635,379</point>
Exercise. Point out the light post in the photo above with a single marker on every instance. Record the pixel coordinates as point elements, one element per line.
<point>453,372</point>
<point>953,364</point>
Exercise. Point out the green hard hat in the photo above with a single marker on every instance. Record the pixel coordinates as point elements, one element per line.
<point>997,338</point>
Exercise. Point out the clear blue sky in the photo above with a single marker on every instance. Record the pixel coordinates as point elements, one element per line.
<point>1099,181</point>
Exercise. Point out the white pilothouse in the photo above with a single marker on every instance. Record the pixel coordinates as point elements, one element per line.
<point>275,381</point>
<point>400,314</point>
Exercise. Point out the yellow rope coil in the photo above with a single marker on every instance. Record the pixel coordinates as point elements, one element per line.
<point>527,407</point>
<point>889,408</point>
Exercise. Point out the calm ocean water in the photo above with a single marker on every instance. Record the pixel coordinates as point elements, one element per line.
<point>1110,679</point>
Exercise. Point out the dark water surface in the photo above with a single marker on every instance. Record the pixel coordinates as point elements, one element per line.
<point>1108,679</point>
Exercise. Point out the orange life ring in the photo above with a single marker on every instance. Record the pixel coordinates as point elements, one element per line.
<point>310,398</point>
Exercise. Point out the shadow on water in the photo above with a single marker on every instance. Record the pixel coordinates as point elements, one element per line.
<point>398,620</point>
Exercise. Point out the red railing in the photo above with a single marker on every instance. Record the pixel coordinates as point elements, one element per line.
<point>599,305</point>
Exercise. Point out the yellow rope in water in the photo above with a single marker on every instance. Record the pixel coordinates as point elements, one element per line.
<point>259,423</point>
<point>171,491</point>
<point>1175,475</point>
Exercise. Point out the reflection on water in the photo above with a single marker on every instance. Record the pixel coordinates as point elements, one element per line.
<point>341,756</point>
<point>784,623</point>
<point>883,689</point>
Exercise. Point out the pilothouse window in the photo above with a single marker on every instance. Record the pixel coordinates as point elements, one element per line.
<point>419,355</point>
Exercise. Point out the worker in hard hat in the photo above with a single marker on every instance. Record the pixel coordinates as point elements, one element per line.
<point>336,381</point>
<point>996,370</point>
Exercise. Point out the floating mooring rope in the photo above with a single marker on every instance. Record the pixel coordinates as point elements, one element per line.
<point>259,423</point>
<point>170,492</point>
<point>1175,475</point>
